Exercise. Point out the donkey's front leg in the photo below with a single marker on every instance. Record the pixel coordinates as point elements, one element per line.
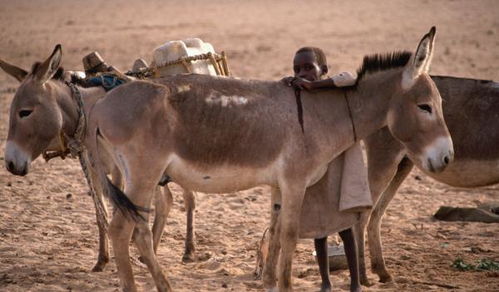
<point>270,265</point>
<point>292,199</point>
<point>384,154</point>
<point>102,225</point>
<point>100,212</point>
<point>373,229</point>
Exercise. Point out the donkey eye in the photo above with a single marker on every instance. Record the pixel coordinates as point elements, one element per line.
<point>25,113</point>
<point>425,107</point>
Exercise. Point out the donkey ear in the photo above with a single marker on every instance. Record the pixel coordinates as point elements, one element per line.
<point>48,68</point>
<point>13,70</point>
<point>421,60</point>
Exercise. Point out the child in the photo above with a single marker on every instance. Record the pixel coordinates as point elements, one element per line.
<point>310,69</point>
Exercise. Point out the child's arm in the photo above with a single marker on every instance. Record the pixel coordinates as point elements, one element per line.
<point>340,80</point>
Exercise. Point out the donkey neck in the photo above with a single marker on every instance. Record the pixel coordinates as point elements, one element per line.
<point>68,105</point>
<point>370,100</point>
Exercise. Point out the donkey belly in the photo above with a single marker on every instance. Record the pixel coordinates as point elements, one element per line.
<point>219,179</point>
<point>469,173</point>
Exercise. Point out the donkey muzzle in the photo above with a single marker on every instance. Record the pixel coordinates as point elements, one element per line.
<point>16,160</point>
<point>439,155</point>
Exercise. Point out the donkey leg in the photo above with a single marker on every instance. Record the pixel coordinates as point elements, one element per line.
<point>289,221</point>
<point>101,216</point>
<point>190,206</point>
<point>384,154</point>
<point>120,232</point>
<point>375,246</point>
<point>142,194</point>
<point>359,231</point>
<point>270,265</point>
<point>162,206</point>
<point>102,225</point>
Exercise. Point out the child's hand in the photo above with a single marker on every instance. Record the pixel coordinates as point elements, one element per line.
<point>288,80</point>
<point>297,83</point>
<point>344,79</point>
<point>300,83</point>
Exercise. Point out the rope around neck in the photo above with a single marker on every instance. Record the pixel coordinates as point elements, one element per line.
<point>76,148</point>
<point>71,144</point>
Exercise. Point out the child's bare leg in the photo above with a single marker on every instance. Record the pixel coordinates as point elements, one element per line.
<point>351,253</point>
<point>323,261</point>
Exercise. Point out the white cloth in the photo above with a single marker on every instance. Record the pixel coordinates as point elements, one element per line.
<point>334,203</point>
<point>344,79</point>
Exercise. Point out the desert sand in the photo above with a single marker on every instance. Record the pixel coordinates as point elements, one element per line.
<point>48,236</point>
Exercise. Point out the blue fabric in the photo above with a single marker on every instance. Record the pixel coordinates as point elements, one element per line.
<point>108,82</point>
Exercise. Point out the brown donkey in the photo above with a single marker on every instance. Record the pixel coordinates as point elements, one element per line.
<point>194,134</point>
<point>196,139</point>
<point>470,110</point>
<point>53,120</point>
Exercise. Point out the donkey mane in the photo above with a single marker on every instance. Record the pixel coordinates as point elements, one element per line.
<point>35,67</point>
<point>381,62</point>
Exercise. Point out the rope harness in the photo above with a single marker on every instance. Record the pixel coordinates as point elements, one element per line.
<point>218,61</point>
<point>351,116</point>
<point>299,106</point>
<point>75,148</point>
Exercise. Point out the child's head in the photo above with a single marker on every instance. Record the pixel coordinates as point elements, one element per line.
<point>310,63</point>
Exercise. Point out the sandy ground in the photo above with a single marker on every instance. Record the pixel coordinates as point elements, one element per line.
<point>48,235</point>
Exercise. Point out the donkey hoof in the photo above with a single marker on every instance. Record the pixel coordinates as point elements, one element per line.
<point>385,278</point>
<point>98,268</point>
<point>365,282</point>
<point>188,258</point>
<point>139,262</point>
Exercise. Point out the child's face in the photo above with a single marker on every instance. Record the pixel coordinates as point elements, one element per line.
<point>305,66</point>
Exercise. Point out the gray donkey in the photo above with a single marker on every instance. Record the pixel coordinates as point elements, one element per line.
<point>191,127</point>
<point>471,110</point>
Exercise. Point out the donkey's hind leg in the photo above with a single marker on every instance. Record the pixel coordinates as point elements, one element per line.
<point>190,206</point>
<point>141,194</point>
<point>162,206</point>
<point>120,232</point>
<point>289,221</point>
<point>270,266</point>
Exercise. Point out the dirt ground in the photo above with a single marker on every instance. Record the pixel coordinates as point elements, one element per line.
<point>48,236</point>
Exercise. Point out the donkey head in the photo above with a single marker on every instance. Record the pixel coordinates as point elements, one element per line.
<point>415,116</point>
<point>35,119</point>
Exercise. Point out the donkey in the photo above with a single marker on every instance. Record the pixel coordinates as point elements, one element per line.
<point>54,119</point>
<point>195,136</point>
<point>470,110</point>
<point>218,153</point>
<point>476,101</point>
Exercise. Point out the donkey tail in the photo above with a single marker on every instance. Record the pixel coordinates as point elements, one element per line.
<point>117,197</point>
<point>122,202</point>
